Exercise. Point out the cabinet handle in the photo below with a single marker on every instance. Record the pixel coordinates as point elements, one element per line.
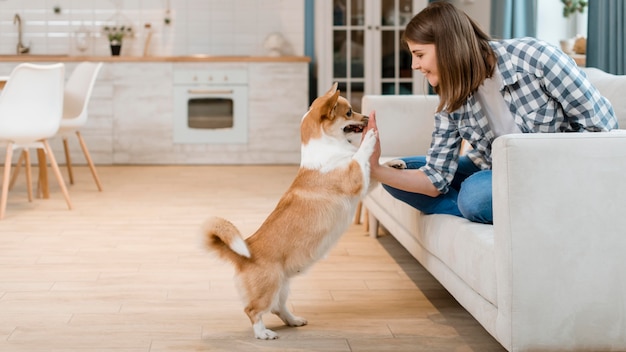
<point>209,91</point>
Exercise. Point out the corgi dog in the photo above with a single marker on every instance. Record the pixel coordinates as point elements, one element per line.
<point>333,177</point>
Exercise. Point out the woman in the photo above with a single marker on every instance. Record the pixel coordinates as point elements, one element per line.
<point>486,89</point>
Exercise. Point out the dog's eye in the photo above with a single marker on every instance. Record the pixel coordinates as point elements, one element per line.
<point>349,113</point>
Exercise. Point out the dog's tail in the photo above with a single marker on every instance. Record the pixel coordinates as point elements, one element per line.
<point>223,238</point>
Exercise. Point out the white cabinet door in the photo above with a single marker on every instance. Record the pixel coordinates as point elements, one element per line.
<point>358,44</point>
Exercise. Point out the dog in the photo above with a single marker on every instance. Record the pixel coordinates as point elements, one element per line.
<point>310,217</point>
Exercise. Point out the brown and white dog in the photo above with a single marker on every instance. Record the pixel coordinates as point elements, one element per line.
<point>310,217</point>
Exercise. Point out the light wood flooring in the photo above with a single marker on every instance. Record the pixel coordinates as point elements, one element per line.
<point>126,271</point>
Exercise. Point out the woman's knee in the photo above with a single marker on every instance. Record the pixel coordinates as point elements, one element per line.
<point>475,198</point>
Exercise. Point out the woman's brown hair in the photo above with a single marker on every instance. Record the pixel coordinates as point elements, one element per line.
<point>464,57</point>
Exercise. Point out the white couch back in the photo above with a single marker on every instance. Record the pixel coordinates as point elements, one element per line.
<point>405,122</point>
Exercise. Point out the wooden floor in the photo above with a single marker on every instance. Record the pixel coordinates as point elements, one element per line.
<point>125,271</point>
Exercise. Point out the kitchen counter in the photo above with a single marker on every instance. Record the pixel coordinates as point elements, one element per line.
<point>189,58</point>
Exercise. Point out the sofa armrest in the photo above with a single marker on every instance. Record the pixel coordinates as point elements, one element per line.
<point>559,205</point>
<point>405,122</point>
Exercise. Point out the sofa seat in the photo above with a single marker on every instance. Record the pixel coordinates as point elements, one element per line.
<point>465,247</point>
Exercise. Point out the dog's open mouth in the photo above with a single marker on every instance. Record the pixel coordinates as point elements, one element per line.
<point>354,129</point>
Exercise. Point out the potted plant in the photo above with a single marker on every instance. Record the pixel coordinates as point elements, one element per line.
<point>116,34</point>
<point>572,6</point>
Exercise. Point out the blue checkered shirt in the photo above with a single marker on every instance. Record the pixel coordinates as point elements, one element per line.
<point>546,93</point>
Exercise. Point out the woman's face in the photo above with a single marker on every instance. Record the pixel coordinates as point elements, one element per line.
<point>424,59</point>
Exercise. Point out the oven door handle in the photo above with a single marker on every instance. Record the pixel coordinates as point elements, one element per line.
<point>209,91</point>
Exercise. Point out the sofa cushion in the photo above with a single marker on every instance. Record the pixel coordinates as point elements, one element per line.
<point>466,247</point>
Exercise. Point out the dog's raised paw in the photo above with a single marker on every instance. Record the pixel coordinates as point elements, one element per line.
<point>396,164</point>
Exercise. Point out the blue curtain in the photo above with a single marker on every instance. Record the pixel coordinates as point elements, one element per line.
<point>513,18</point>
<point>606,33</point>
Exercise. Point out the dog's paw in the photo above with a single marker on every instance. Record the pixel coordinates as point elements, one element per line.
<point>370,137</point>
<point>396,164</point>
<point>367,145</point>
<point>296,321</point>
<point>265,334</point>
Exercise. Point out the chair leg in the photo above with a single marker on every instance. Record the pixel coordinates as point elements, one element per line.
<point>16,171</point>
<point>68,160</point>
<point>5,179</point>
<point>43,190</point>
<point>29,180</point>
<point>57,173</point>
<point>92,167</point>
<point>357,215</point>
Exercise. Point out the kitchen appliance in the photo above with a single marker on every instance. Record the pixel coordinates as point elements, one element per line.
<point>211,106</point>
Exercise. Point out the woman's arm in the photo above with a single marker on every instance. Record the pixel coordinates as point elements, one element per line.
<point>407,180</point>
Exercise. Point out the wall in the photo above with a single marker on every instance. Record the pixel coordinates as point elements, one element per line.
<point>214,27</point>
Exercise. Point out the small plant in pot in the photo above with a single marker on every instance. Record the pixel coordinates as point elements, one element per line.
<point>572,6</point>
<point>116,34</point>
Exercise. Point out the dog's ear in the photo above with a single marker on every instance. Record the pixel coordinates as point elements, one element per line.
<point>330,102</point>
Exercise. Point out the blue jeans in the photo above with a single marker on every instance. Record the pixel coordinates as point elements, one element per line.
<point>469,195</point>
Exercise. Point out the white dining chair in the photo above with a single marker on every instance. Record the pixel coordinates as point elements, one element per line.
<point>78,89</point>
<point>31,108</point>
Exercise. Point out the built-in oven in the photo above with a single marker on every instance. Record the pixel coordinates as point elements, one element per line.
<point>210,106</point>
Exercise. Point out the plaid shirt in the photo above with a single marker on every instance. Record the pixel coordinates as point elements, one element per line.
<point>546,93</point>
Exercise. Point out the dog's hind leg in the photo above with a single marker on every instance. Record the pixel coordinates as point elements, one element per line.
<point>261,294</point>
<point>255,312</point>
<point>281,309</point>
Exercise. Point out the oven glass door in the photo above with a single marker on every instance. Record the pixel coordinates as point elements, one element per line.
<point>211,115</point>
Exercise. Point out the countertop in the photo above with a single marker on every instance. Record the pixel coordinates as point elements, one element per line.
<point>189,58</point>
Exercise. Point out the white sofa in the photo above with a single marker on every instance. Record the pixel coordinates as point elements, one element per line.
<point>550,274</point>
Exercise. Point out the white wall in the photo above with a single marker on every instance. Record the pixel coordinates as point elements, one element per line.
<point>214,27</point>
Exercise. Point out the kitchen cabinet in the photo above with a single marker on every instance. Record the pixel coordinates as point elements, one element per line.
<point>132,110</point>
<point>358,45</point>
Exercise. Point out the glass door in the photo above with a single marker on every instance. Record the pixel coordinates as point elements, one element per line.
<point>358,45</point>
<point>348,33</point>
<point>396,76</point>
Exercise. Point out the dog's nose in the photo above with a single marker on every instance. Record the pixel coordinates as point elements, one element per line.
<point>366,119</point>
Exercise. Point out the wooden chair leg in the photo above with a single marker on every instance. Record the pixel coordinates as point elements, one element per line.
<point>44,191</point>
<point>68,160</point>
<point>16,171</point>
<point>5,179</point>
<point>57,173</point>
<point>92,167</point>
<point>29,180</point>
<point>357,216</point>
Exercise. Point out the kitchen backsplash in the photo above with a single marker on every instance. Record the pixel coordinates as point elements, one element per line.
<point>178,27</point>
